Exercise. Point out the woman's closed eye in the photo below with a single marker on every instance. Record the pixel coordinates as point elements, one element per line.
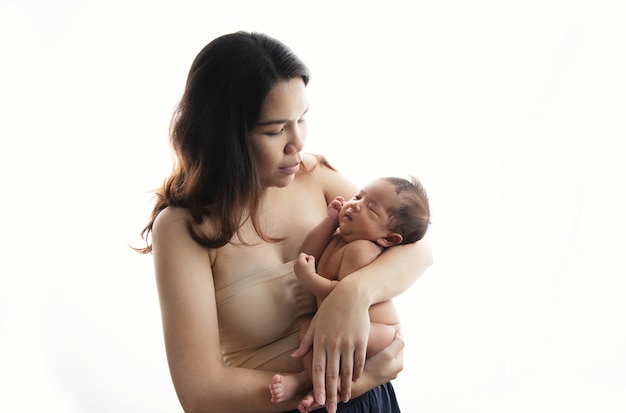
<point>272,133</point>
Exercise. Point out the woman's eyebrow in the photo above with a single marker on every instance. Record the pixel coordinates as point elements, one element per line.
<point>279,121</point>
<point>272,122</point>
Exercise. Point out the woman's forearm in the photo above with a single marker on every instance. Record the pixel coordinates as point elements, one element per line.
<point>233,389</point>
<point>391,274</point>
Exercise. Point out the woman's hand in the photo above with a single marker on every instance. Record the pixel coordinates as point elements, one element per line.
<point>338,335</point>
<point>379,369</point>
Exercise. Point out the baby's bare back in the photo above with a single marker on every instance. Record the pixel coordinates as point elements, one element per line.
<point>341,259</point>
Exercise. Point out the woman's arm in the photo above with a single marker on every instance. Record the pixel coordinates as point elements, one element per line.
<point>189,315</point>
<point>392,273</point>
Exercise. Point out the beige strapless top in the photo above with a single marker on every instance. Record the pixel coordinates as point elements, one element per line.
<point>259,316</point>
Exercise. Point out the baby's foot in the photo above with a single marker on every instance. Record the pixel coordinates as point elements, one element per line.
<point>307,403</point>
<point>283,387</point>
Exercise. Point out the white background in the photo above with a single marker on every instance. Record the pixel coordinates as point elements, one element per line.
<point>511,113</point>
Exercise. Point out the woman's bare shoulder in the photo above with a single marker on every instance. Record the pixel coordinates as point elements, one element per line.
<point>171,221</point>
<point>313,161</point>
<point>332,182</point>
<point>171,234</point>
<point>314,172</point>
<point>170,217</point>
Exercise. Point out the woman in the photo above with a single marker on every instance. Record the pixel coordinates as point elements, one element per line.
<point>226,228</point>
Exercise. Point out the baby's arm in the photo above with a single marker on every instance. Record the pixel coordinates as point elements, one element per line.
<point>312,281</point>
<point>357,254</point>
<point>319,237</point>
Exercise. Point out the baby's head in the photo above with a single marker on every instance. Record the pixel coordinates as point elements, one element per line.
<point>388,211</point>
<point>411,215</point>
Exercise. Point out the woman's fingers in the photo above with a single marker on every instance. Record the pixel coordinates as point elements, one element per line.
<point>347,373</point>
<point>305,345</point>
<point>359,361</point>
<point>333,370</point>
<point>332,377</point>
<point>318,370</point>
<point>338,337</point>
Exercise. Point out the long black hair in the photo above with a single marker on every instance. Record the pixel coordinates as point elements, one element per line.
<point>215,172</point>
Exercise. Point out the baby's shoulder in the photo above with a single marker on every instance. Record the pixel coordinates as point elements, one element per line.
<point>362,250</point>
<point>357,254</point>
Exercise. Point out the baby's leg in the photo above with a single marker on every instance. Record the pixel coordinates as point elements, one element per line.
<point>285,387</point>
<point>381,335</point>
<point>384,322</point>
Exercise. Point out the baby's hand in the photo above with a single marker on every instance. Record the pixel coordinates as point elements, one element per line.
<point>334,207</point>
<point>304,265</point>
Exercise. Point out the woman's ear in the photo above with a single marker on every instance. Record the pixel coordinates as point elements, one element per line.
<point>391,239</point>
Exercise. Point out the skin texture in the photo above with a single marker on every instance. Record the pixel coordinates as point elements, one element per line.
<point>293,202</point>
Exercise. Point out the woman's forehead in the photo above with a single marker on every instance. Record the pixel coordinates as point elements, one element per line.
<point>286,100</point>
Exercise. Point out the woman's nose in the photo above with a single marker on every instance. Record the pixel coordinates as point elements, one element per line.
<point>296,141</point>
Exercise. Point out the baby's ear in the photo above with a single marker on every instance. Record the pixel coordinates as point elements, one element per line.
<point>391,239</point>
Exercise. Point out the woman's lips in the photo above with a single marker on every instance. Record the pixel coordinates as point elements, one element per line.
<point>291,169</point>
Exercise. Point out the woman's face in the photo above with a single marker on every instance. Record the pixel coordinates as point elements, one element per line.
<point>279,135</point>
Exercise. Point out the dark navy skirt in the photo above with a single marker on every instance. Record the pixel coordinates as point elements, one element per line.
<point>381,399</point>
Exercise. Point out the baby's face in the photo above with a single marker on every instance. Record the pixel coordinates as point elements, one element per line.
<point>366,215</point>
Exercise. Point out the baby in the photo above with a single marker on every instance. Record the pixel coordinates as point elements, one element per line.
<point>386,212</point>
